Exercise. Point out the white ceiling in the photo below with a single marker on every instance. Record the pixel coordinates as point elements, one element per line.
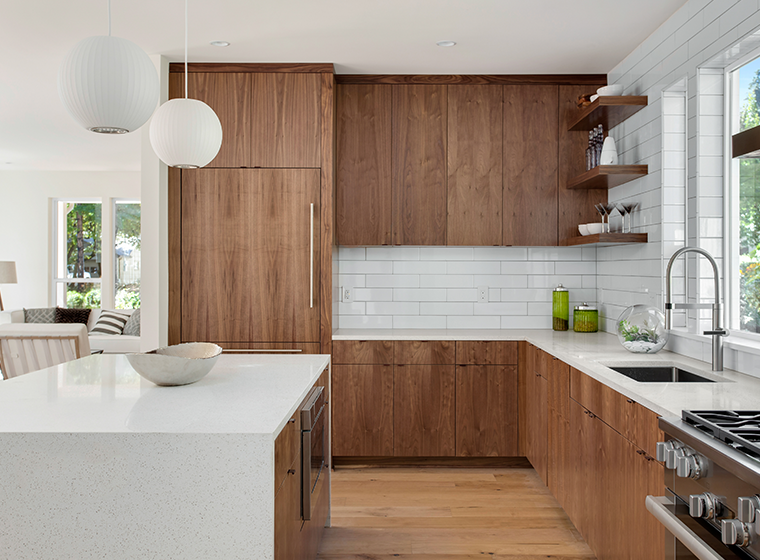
<point>359,36</point>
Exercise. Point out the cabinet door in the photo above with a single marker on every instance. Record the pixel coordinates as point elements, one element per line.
<point>585,473</point>
<point>363,170</point>
<point>558,469</point>
<point>419,165</point>
<point>537,430</point>
<point>530,165</point>
<point>362,410</point>
<point>285,120</point>
<point>287,517</point>
<point>486,411</point>
<point>246,258</point>
<point>423,411</point>
<point>474,165</point>
<point>229,95</point>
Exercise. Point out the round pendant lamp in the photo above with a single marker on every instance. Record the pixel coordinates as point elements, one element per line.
<point>186,133</point>
<point>108,84</point>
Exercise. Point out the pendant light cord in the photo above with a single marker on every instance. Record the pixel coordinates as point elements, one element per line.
<point>185,48</point>
<point>109,18</point>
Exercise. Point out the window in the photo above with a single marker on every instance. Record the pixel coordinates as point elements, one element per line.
<point>744,206</point>
<point>86,275</point>
<point>126,254</point>
<point>79,252</point>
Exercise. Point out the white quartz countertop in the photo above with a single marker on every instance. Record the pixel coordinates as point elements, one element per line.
<point>592,352</point>
<point>247,394</point>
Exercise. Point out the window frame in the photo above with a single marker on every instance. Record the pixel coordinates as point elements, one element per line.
<point>114,203</point>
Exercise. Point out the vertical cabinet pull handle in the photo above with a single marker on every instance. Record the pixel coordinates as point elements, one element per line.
<point>311,257</point>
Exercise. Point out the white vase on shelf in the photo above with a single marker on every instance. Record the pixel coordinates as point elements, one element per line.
<point>609,152</point>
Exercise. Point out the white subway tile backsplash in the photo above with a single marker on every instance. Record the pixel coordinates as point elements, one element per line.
<point>373,294</point>
<point>393,253</point>
<point>351,280</point>
<point>526,294</point>
<point>419,267</point>
<point>411,322</point>
<point>500,253</point>
<point>462,294</point>
<point>446,281</point>
<point>473,322</point>
<point>500,281</point>
<point>473,267</point>
<point>515,308</point>
<point>365,267</point>
<point>446,253</point>
<point>422,294</point>
<point>575,268</point>
<point>352,253</point>
<point>429,308</point>
<point>393,308</point>
<point>365,322</point>
<point>393,281</point>
<point>539,268</point>
<point>355,308</point>
<point>527,322</point>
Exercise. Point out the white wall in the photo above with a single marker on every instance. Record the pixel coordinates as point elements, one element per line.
<point>695,45</point>
<point>26,222</point>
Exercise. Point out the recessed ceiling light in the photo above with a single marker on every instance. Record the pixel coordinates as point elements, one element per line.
<point>446,43</point>
<point>220,43</point>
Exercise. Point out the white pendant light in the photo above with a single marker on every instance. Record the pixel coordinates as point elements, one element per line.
<point>108,84</point>
<point>186,133</point>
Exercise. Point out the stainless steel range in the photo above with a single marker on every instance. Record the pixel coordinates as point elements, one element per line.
<point>712,475</point>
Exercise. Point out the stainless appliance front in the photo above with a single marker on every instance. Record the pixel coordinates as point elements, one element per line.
<point>313,447</point>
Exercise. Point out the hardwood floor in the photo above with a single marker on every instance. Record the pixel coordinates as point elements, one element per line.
<point>447,514</point>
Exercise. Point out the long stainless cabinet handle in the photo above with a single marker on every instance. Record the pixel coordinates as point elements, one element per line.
<point>306,475</point>
<point>262,350</point>
<point>658,506</point>
<point>311,258</point>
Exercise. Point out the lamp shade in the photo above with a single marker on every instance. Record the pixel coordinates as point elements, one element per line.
<point>108,85</point>
<point>8,272</point>
<point>185,133</point>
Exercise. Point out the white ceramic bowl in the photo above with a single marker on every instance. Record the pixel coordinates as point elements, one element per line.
<point>614,89</point>
<point>583,229</point>
<point>594,228</point>
<point>593,98</point>
<point>176,365</point>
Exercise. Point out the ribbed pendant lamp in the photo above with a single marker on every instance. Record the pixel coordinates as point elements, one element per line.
<point>186,133</point>
<point>108,84</point>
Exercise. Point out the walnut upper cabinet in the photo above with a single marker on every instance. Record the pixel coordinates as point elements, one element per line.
<point>269,119</point>
<point>530,165</point>
<point>363,170</point>
<point>419,164</point>
<point>474,206</point>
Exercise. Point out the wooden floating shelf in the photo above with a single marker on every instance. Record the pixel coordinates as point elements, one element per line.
<point>605,239</point>
<point>609,111</point>
<point>607,176</point>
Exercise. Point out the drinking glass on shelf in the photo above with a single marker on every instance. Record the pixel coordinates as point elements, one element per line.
<point>626,209</point>
<point>605,209</point>
<point>602,213</point>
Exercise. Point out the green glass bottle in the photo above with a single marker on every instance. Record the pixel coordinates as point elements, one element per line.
<point>585,318</point>
<point>560,308</point>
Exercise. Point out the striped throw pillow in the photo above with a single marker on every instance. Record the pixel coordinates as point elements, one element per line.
<point>110,322</point>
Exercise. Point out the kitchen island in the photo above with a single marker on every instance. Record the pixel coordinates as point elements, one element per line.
<point>98,462</point>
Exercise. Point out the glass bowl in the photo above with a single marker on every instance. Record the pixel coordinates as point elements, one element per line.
<point>641,329</point>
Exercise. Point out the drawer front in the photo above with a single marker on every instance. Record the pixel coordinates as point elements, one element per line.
<point>614,409</point>
<point>286,449</point>
<point>543,363</point>
<point>646,430</point>
<point>416,352</point>
<point>363,352</point>
<point>486,353</point>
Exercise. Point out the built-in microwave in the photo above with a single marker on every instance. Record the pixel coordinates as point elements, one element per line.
<point>313,447</point>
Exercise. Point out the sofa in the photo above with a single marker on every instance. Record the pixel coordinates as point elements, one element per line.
<point>108,343</point>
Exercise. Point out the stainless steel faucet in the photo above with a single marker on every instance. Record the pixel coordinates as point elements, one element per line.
<point>717,332</point>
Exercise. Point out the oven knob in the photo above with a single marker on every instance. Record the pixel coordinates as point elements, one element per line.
<point>748,507</point>
<point>735,532</point>
<point>704,506</point>
<point>662,450</point>
<point>689,466</point>
<point>672,456</point>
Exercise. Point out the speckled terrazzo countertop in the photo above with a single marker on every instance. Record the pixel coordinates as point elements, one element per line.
<point>592,352</point>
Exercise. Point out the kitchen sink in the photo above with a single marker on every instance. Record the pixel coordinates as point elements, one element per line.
<point>660,374</point>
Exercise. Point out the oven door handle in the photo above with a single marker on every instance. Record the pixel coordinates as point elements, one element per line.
<point>658,506</point>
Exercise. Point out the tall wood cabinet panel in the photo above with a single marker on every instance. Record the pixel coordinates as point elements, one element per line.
<point>559,464</point>
<point>486,411</point>
<point>423,411</point>
<point>246,255</point>
<point>362,410</point>
<point>530,165</point>
<point>575,206</point>
<point>363,171</point>
<point>419,164</point>
<point>229,95</point>
<point>285,119</point>
<point>474,160</point>
<point>537,429</point>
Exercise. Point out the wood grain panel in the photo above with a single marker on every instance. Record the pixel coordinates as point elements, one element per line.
<point>271,347</point>
<point>482,352</point>
<point>286,120</point>
<point>474,163</point>
<point>245,255</point>
<point>611,407</point>
<point>486,411</point>
<point>179,67</point>
<point>424,415</point>
<point>419,165</point>
<point>524,369</point>
<point>575,206</point>
<point>646,431</point>
<point>530,165</point>
<point>287,518</point>
<point>362,352</point>
<point>433,352</point>
<point>362,410</point>
<point>327,209</point>
<point>503,79</point>
<point>538,425</point>
<point>559,451</point>
<point>229,95</point>
<point>287,449</point>
<point>543,364</point>
<point>364,165</point>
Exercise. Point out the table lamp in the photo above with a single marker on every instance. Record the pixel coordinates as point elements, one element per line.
<point>7,276</point>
